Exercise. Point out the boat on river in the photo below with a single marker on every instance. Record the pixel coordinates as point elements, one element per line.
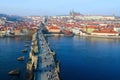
<point>25,50</point>
<point>14,72</point>
<point>67,33</point>
<point>27,41</point>
<point>21,58</point>
<point>26,45</point>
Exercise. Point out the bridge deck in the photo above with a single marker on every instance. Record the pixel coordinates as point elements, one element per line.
<point>46,67</point>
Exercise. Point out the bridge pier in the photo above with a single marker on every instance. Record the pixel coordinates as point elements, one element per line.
<point>33,58</point>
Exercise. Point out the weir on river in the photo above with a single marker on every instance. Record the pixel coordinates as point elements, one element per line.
<point>42,64</point>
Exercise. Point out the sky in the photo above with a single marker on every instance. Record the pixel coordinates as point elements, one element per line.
<point>59,7</point>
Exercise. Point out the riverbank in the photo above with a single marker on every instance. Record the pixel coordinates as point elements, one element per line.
<point>95,36</point>
<point>54,34</point>
<point>16,36</point>
<point>107,37</point>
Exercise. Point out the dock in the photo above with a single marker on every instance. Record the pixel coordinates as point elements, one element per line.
<point>42,64</point>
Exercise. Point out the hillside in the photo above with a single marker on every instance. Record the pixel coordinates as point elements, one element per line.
<point>11,17</point>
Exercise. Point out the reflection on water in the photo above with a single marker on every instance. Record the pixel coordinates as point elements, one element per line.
<point>85,58</point>
<point>93,39</point>
<point>10,50</point>
<point>81,58</point>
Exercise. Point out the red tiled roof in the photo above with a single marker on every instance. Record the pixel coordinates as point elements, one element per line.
<point>104,31</point>
<point>53,27</point>
<point>90,26</point>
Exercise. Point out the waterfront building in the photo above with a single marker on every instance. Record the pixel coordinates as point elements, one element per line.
<point>53,28</point>
<point>99,17</point>
<point>2,33</point>
<point>76,31</point>
<point>89,29</point>
<point>117,29</point>
<point>105,32</point>
<point>17,31</point>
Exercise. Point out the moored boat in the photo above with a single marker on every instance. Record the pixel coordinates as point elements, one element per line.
<point>25,50</point>
<point>67,33</point>
<point>14,72</point>
<point>21,58</point>
<point>27,41</point>
<point>26,45</point>
<point>3,36</point>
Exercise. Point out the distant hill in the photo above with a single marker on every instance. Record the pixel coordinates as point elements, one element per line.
<point>11,17</point>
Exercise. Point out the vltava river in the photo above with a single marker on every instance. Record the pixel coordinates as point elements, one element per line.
<point>88,58</point>
<point>81,58</point>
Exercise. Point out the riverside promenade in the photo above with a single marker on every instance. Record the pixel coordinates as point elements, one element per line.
<point>42,64</point>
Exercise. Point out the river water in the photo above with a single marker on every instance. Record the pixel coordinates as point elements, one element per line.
<point>10,50</point>
<point>81,58</point>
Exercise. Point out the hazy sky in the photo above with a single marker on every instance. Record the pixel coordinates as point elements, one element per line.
<point>59,7</point>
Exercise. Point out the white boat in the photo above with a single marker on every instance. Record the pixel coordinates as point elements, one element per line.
<point>25,50</point>
<point>21,58</point>
<point>14,72</point>
<point>26,45</point>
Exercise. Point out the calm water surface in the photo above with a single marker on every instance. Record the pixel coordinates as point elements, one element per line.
<point>81,58</point>
<point>10,50</point>
<point>88,58</point>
